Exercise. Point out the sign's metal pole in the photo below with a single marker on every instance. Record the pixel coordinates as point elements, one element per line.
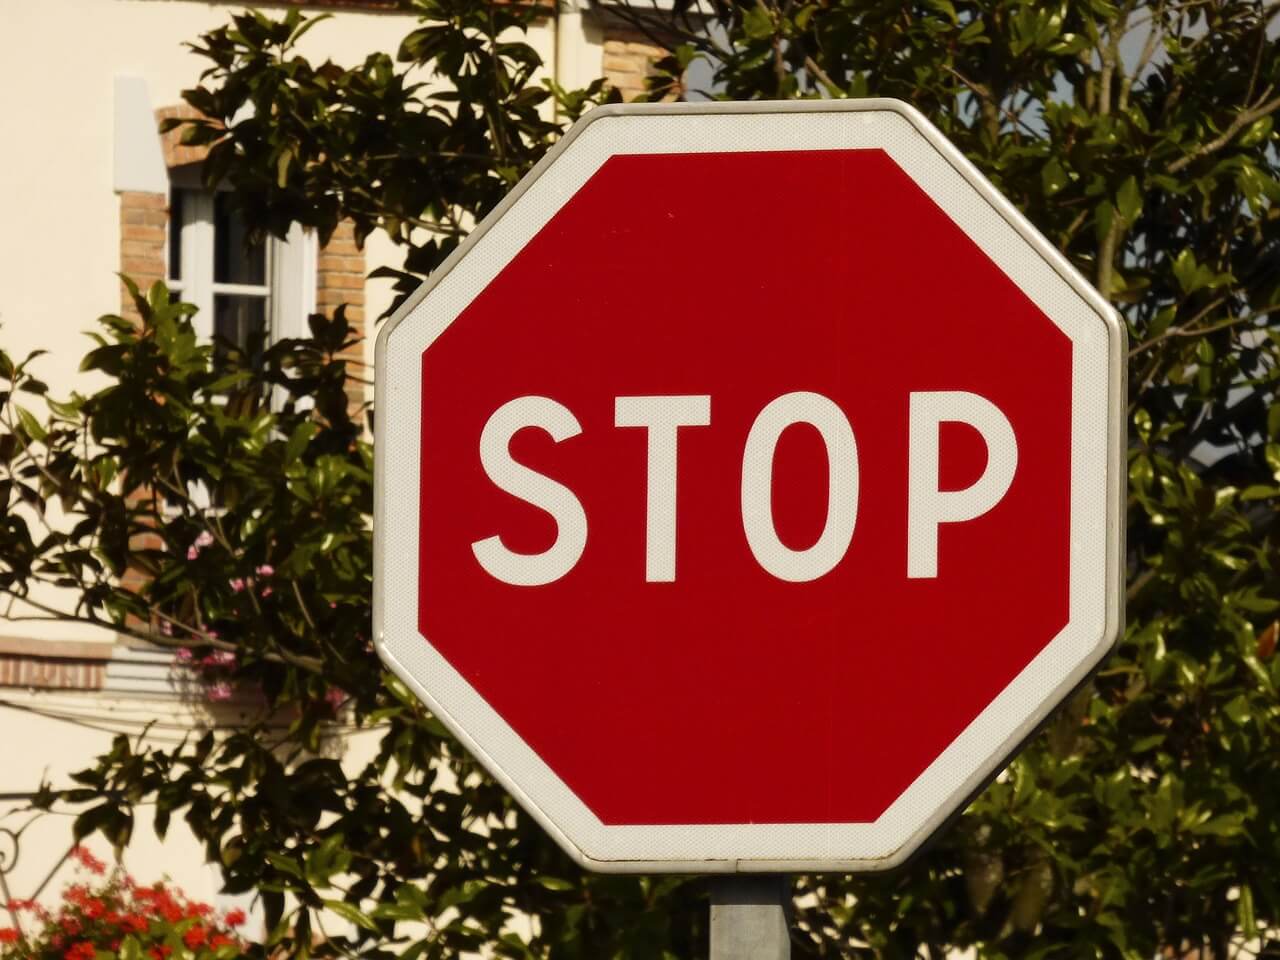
<point>750,917</point>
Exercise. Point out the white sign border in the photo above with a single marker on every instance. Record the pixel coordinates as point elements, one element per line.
<point>1098,339</point>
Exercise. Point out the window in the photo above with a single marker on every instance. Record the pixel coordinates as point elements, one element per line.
<point>247,295</point>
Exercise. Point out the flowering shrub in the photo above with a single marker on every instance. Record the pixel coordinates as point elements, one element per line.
<point>113,916</point>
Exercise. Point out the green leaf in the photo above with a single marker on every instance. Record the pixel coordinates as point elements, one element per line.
<point>1186,271</point>
<point>285,865</point>
<point>1245,916</point>
<point>1256,132</point>
<point>30,425</point>
<point>757,23</point>
<point>352,914</point>
<point>298,440</point>
<point>1053,177</point>
<point>1225,826</point>
<point>1129,201</point>
<point>282,168</point>
<point>554,883</point>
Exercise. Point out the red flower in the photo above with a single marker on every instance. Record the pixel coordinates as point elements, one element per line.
<point>8,935</point>
<point>71,926</point>
<point>194,937</point>
<point>160,952</point>
<point>235,918</point>
<point>135,923</point>
<point>80,951</point>
<point>94,908</point>
<point>77,894</point>
<point>89,861</point>
<point>219,940</point>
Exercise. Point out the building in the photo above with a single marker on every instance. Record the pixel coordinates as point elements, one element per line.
<point>89,188</point>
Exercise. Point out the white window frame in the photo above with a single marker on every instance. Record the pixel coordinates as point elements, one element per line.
<point>290,290</point>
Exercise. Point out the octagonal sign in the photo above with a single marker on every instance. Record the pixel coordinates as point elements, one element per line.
<point>748,486</point>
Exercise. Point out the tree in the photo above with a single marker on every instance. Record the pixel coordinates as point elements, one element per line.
<point>1143,820</point>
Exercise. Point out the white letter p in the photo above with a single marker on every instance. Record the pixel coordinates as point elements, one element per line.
<point>927,506</point>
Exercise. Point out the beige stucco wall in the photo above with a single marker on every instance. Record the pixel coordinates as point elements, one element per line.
<point>38,742</point>
<point>59,253</point>
<point>49,735</point>
<point>59,216</point>
<point>59,213</point>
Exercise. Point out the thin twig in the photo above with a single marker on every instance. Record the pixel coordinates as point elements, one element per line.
<point>1188,329</point>
<point>982,91</point>
<point>824,78</point>
<point>1242,120</point>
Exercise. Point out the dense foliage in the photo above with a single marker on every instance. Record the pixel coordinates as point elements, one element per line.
<point>115,916</point>
<point>1143,821</point>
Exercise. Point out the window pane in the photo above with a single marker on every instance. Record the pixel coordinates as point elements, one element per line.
<point>176,218</point>
<point>241,319</point>
<point>233,261</point>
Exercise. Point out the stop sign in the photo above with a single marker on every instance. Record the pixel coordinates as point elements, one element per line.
<point>749,486</point>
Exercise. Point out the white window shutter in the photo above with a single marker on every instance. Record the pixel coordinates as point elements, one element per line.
<point>293,283</point>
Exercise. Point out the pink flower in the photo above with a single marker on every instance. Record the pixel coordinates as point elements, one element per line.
<point>219,658</point>
<point>203,540</point>
<point>265,592</point>
<point>335,696</point>
<point>219,692</point>
<point>184,655</point>
<point>266,570</point>
<point>237,584</point>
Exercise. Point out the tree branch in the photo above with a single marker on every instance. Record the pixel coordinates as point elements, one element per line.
<point>1242,120</point>
<point>1189,329</point>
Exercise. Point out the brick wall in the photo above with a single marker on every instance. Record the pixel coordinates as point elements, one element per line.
<point>340,276</point>
<point>142,238</point>
<point>51,673</point>
<point>144,217</point>
<point>177,153</point>
<point>340,273</point>
<point>629,56</point>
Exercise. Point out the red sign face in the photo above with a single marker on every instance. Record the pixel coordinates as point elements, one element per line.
<point>747,483</point>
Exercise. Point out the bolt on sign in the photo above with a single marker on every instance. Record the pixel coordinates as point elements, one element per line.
<point>749,486</point>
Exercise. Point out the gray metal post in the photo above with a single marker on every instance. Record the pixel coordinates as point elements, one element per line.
<point>750,917</point>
